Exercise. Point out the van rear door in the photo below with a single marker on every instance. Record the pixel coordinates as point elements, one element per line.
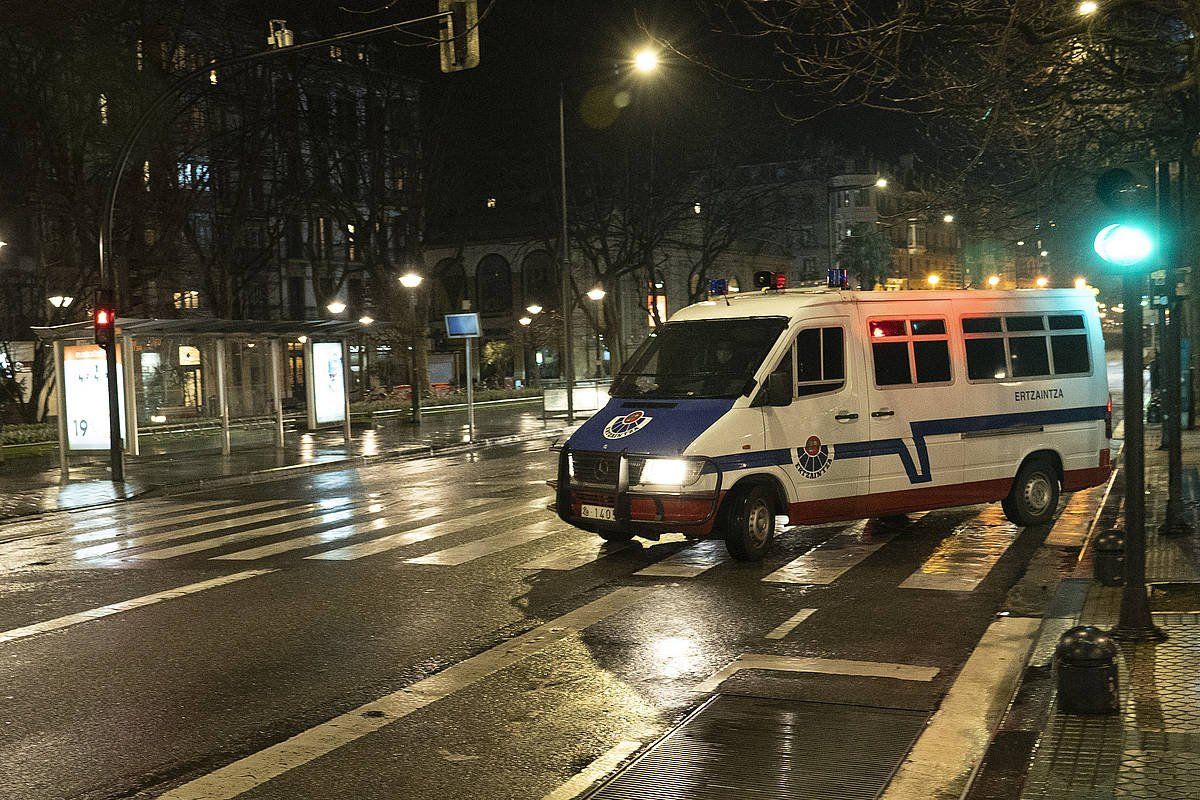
<point>912,394</point>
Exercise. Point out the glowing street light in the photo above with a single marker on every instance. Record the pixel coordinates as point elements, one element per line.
<point>410,280</point>
<point>1087,8</point>
<point>646,60</point>
<point>933,279</point>
<point>60,300</point>
<point>948,218</point>
<point>1081,283</point>
<point>534,309</point>
<point>596,294</point>
<point>881,183</point>
<point>525,321</point>
<point>335,307</point>
<point>993,281</point>
<point>365,319</point>
<point>1042,282</point>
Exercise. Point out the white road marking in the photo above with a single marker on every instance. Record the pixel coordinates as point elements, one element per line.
<point>576,554</point>
<point>291,526</point>
<point>790,625</point>
<point>947,752</point>
<point>964,558</point>
<point>380,525</point>
<point>109,548</point>
<point>828,666</point>
<point>114,529</point>
<point>690,562</point>
<point>126,605</point>
<point>432,531</point>
<point>593,772</point>
<point>68,522</point>
<point>255,770</point>
<point>833,558</point>
<point>453,556</point>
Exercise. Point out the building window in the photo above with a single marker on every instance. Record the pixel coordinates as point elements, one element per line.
<point>493,282</point>
<point>491,202</point>
<point>188,300</point>
<point>295,297</point>
<point>146,174</point>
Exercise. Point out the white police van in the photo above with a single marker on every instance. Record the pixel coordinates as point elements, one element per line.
<point>832,405</point>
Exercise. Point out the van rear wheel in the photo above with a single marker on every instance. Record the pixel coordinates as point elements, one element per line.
<point>1033,498</point>
<point>748,523</point>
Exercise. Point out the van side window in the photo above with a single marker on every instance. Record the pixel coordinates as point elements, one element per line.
<point>1025,346</point>
<point>904,359</point>
<point>820,361</point>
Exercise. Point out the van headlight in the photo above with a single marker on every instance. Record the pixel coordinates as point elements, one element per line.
<point>671,471</point>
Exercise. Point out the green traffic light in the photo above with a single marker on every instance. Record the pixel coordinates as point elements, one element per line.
<point>1123,245</point>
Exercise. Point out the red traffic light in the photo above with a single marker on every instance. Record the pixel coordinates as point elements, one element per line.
<point>103,323</point>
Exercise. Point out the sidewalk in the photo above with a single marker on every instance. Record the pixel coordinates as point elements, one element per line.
<point>33,484</point>
<point>1151,749</point>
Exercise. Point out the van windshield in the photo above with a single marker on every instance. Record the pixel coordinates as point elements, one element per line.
<point>698,358</point>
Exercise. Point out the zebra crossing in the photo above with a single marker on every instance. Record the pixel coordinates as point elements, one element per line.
<point>348,528</point>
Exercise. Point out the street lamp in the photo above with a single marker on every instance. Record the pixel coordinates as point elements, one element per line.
<point>646,60</point>
<point>948,218</point>
<point>933,280</point>
<point>534,309</point>
<point>335,307</point>
<point>993,281</point>
<point>61,300</point>
<point>830,191</point>
<point>1087,8</point>
<point>411,280</point>
<point>596,294</point>
<point>526,321</point>
<point>1042,282</point>
<point>366,319</point>
<point>1081,283</point>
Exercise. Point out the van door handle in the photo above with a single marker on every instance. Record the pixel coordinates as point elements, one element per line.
<point>845,416</point>
<point>883,412</point>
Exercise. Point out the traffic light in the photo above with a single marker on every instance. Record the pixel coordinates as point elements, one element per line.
<point>1128,240</point>
<point>104,320</point>
<point>460,35</point>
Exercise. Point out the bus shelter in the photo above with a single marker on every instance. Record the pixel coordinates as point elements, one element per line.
<point>192,373</point>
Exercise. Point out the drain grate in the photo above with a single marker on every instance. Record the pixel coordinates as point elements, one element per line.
<point>752,747</point>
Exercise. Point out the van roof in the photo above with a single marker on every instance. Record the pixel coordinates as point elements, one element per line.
<point>790,302</point>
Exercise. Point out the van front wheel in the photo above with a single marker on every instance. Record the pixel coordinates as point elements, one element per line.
<point>1034,495</point>
<point>748,523</point>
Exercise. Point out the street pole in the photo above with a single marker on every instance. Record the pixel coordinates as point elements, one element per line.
<point>470,393</point>
<point>415,399</point>
<point>565,300</point>
<point>108,281</point>
<point>1174,521</point>
<point>1135,623</point>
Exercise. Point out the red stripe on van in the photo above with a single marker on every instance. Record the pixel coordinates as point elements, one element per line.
<point>926,498</point>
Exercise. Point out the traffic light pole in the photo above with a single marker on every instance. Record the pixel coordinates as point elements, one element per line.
<point>108,282</point>
<point>1174,521</point>
<point>1135,623</point>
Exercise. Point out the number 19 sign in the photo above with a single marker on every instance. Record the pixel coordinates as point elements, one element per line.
<point>85,380</point>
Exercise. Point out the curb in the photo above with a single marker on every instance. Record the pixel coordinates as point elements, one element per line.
<point>1001,773</point>
<point>345,462</point>
<point>297,470</point>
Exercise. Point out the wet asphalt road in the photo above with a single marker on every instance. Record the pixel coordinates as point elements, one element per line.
<point>431,568</point>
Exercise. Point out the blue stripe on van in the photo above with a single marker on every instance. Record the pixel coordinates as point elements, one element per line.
<point>919,471</point>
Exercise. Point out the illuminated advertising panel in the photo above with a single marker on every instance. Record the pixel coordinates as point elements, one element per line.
<point>329,383</point>
<point>462,326</point>
<point>85,381</point>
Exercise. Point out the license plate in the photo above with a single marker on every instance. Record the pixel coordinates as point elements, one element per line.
<point>599,512</point>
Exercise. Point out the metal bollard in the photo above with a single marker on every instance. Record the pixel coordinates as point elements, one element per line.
<point>1086,668</point>
<point>1108,558</point>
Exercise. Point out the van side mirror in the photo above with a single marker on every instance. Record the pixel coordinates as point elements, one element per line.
<point>776,391</point>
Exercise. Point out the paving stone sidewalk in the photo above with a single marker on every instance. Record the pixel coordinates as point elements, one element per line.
<point>1151,748</point>
<point>34,484</point>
